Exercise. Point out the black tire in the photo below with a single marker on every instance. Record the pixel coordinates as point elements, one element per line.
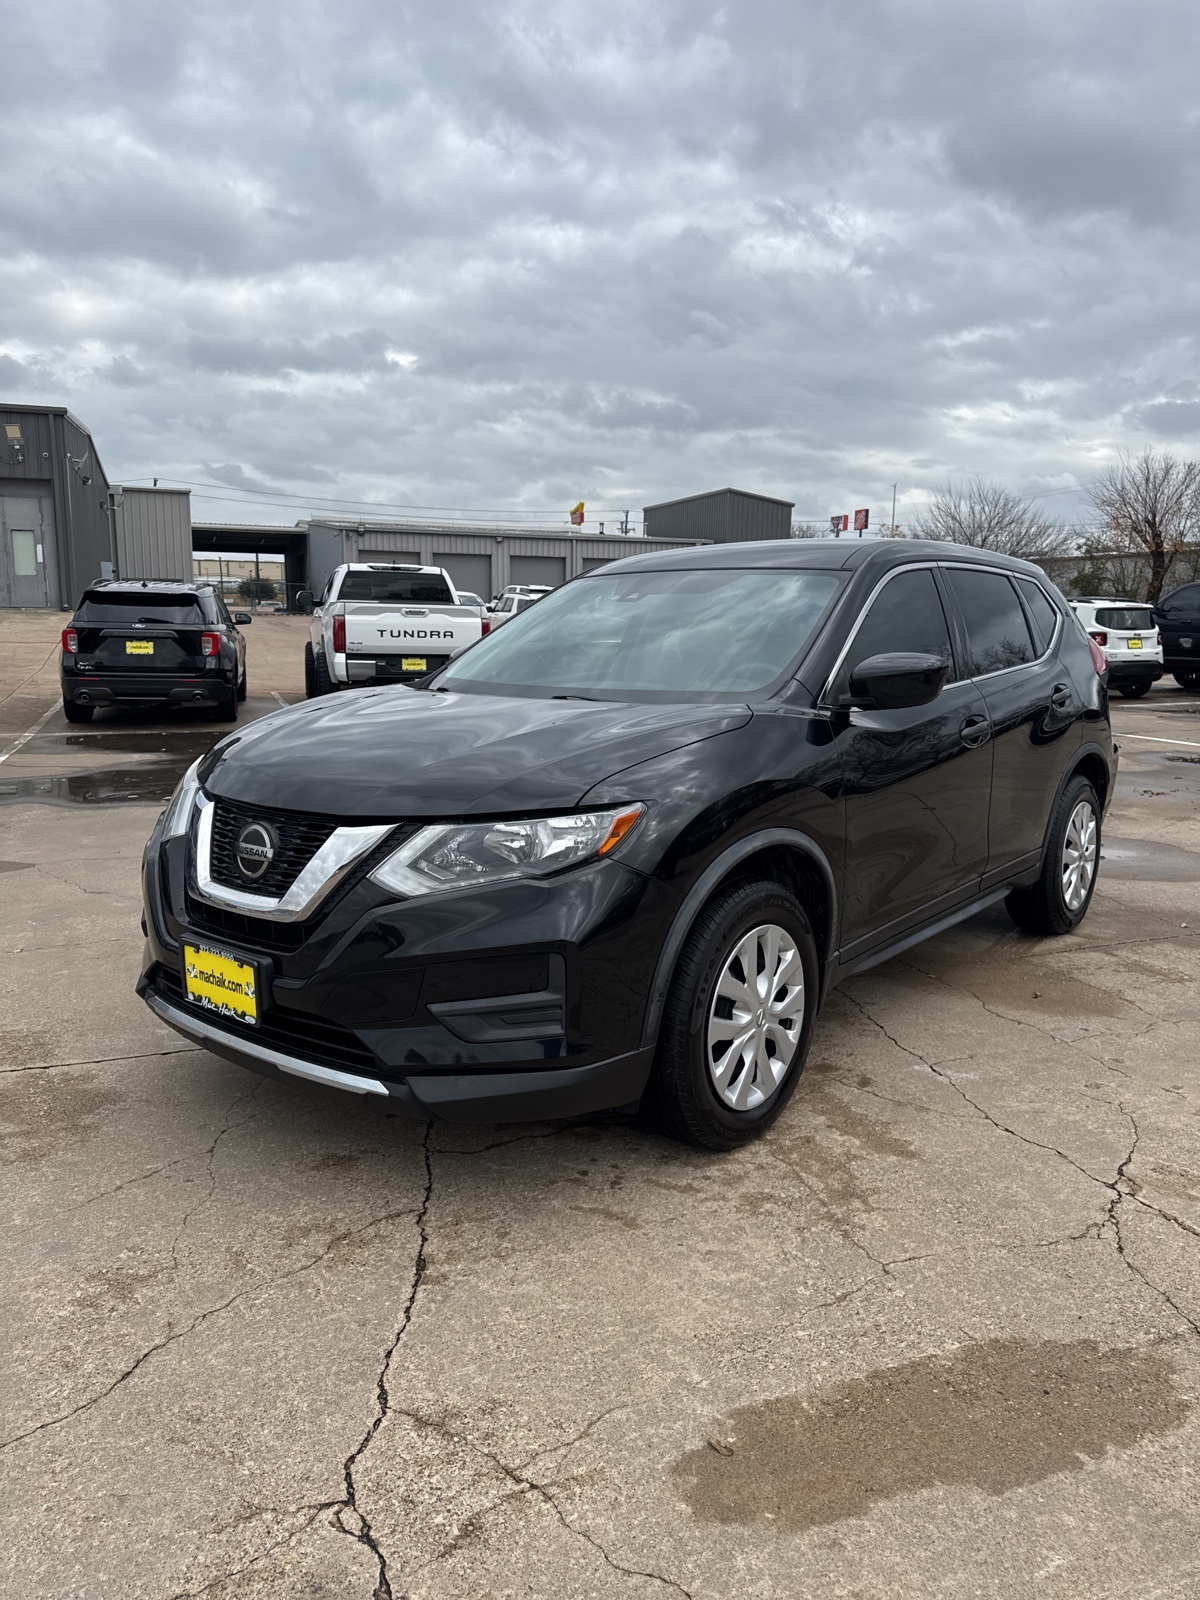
<point>1043,908</point>
<point>243,687</point>
<point>322,682</point>
<point>1188,680</point>
<point>77,713</point>
<point>682,1098</point>
<point>310,677</point>
<point>227,710</point>
<point>1133,691</point>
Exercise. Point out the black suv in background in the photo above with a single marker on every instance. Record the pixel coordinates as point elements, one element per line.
<point>136,643</point>
<point>1178,619</point>
<point>619,850</point>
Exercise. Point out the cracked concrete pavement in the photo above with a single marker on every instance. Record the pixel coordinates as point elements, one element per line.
<point>936,1334</point>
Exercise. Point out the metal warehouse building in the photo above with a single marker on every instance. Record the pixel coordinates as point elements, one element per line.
<point>723,516</point>
<point>56,532</point>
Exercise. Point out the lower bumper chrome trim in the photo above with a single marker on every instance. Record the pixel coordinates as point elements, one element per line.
<point>202,1033</point>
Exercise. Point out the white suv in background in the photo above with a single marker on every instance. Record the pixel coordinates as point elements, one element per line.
<point>1128,634</point>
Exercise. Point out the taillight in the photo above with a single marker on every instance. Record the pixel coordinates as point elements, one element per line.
<point>210,643</point>
<point>486,626</point>
<point>1100,638</point>
<point>339,636</point>
<point>1099,659</point>
<point>70,641</point>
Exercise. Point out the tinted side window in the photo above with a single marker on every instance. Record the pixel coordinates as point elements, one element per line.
<point>1043,613</point>
<point>1183,605</point>
<point>997,633</point>
<point>906,615</point>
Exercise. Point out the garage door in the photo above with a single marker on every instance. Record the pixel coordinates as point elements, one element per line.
<point>473,573</point>
<point>538,569</point>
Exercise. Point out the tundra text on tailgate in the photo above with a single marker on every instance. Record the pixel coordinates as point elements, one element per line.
<point>385,624</point>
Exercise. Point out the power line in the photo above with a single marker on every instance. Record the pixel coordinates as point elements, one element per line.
<point>280,496</point>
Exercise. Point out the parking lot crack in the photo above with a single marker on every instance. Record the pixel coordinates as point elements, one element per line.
<point>102,1061</point>
<point>349,1516</point>
<point>1122,1191</point>
<point>174,1335</point>
<point>245,1566</point>
<point>544,1490</point>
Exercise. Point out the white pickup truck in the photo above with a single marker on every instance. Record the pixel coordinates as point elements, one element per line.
<point>384,624</point>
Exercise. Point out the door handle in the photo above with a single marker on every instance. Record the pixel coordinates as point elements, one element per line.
<point>1060,696</point>
<point>975,730</point>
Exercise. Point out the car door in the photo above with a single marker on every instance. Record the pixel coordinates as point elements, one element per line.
<point>1033,704</point>
<point>916,782</point>
<point>1178,617</point>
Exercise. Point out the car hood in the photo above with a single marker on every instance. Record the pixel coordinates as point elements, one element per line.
<point>395,752</point>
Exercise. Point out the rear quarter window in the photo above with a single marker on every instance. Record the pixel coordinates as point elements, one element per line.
<point>1043,613</point>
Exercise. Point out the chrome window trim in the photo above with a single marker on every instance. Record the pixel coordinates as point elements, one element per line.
<point>823,699</point>
<point>335,858</point>
<point>1021,666</point>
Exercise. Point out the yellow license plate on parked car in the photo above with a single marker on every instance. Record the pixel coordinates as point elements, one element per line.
<point>220,983</point>
<point>1135,644</point>
<point>139,647</point>
<point>412,664</point>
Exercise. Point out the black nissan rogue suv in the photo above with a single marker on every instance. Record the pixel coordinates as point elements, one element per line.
<point>618,851</point>
<point>138,643</point>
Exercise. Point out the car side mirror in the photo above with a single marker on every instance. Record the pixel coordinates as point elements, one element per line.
<point>895,681</point>
<point>304,602</point>
<point>242,618</point>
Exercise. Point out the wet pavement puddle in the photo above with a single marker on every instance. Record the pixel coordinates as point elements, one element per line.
<point>991,1416</point>
<point>149,784</point>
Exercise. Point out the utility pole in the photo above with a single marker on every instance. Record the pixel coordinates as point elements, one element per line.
<point>893,511</point>
<point>257,581</point>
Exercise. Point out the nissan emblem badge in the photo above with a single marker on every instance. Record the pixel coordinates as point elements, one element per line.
<point>254,850</point>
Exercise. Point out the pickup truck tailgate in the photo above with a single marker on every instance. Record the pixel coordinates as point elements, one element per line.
<point>375,630</point>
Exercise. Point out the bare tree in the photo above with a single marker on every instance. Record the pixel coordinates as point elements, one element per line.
<point>990,517</point>
<point>809,530</point>
<point>1150,503</point>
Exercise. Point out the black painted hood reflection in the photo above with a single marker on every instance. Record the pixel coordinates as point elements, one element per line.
<point>395,752</point>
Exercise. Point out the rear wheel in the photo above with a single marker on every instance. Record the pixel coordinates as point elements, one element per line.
<point>322,682</point>
<point>310,678</point>
<point>1058,901</point>
<point>227,710</point>
<point>77,713</point>
<point>1189,681</point>
<point>1133,691</point>
<point>737,1020</point>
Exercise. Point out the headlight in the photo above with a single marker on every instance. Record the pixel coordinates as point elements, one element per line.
<point>459,855</point>
<point>179,810</point>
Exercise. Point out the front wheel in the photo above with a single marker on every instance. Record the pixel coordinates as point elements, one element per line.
<point>1057,903</point>
<point>1133,691</point>
<point>1188,680</point>
<point>310,677</point>
<point>737,1019</point>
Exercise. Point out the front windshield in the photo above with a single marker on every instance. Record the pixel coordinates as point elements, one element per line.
<point>704,632</point>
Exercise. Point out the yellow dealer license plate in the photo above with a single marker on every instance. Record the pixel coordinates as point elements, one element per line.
<point>139,647</point>
<point>1135,644</point>
<point>412,664</point>
<point>220,983</point>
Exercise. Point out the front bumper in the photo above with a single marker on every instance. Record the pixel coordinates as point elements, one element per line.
<point>522,1001</point>
<point>450,1097</point>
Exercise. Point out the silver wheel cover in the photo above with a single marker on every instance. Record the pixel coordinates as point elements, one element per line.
<point>1079,855</point>
<point>755,1017</point>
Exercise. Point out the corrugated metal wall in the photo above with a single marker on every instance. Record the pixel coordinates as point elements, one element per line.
<point>154,533</point>
<point>725,516</point>
<point>51,457</point>
<point>332,543</point>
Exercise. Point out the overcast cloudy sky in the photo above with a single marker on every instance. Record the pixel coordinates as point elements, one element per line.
<point>498,255</point>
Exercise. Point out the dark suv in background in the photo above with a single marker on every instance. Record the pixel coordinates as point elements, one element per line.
<point>1178,619</point>
<point>619,850</point>
<point>138,643</point>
